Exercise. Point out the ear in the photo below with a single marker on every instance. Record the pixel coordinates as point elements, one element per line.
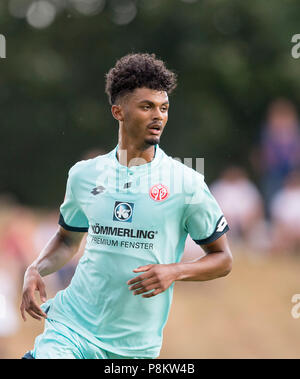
<point>117,112</point>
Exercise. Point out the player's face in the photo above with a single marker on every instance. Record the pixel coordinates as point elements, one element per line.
<point>145,114</point>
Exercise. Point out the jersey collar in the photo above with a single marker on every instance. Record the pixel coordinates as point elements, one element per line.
<point>141,168</point>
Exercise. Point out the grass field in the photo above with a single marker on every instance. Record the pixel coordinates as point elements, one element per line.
<point>244,315</point>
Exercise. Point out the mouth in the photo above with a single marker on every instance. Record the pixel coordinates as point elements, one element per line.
<point>155,129</point>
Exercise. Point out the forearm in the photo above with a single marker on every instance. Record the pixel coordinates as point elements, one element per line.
<point>211,266</point>
<point>58,251</point>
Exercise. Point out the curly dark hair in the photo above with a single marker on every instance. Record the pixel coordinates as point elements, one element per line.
<point>135,71</point>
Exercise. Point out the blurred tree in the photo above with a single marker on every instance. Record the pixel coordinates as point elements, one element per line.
<point>231,57</point>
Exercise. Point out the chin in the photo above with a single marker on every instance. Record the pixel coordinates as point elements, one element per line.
<point>152,141</point>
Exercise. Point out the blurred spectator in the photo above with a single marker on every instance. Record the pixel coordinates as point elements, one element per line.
<point>46,228</point>
<point>279,149</point>
<point>16,237</point>
<point>242,206</point>
<point>9,322</point>
<point>285,213</point>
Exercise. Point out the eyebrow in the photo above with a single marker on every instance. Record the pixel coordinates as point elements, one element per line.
<point>151,102</point>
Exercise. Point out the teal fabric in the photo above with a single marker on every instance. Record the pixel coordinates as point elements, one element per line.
<point>134,216</point>
<point>60,342</point>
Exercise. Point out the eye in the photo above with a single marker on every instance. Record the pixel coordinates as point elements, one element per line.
<point>164,109</point>
<point>146,107</point>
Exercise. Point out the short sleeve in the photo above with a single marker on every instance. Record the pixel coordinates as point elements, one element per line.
<point>71,215</point>
<point>204,220</point>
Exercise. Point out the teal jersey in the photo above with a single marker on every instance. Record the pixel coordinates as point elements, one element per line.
<point>134,217</point>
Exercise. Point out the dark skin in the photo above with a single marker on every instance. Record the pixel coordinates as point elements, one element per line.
<point>59,250</point>
<point>158,277</point>
<point>142,116</point>
<point>137,113</point>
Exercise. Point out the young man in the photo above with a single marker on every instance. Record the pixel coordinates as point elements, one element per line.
<point>137,205</point>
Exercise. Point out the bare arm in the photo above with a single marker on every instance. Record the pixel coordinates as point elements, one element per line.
<point>58,251</point>
<point>217,263</point>
<point>159,277</point>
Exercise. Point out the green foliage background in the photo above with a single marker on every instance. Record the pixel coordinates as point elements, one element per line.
<point>232,58</point>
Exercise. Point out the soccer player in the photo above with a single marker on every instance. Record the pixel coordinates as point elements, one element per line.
<point>137,205</point>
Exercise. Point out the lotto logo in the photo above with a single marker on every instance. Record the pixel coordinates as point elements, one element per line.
<point>221,225</point>
<point>159,192</point>
<point>123,211</point>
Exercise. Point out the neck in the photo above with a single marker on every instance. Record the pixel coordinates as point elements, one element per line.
<point>129,154</point>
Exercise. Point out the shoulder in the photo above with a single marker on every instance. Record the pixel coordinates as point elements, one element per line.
<point>188,178</point>
<point>84,168</point>
<point>79,168</point>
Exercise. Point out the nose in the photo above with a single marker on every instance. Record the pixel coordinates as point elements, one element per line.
<point>157,114</point>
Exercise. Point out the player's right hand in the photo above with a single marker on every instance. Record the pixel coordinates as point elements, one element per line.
<point>32,282</point>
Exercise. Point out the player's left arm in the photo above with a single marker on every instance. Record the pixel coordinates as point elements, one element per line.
<point>216,263</point>
<point>158,277</point>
